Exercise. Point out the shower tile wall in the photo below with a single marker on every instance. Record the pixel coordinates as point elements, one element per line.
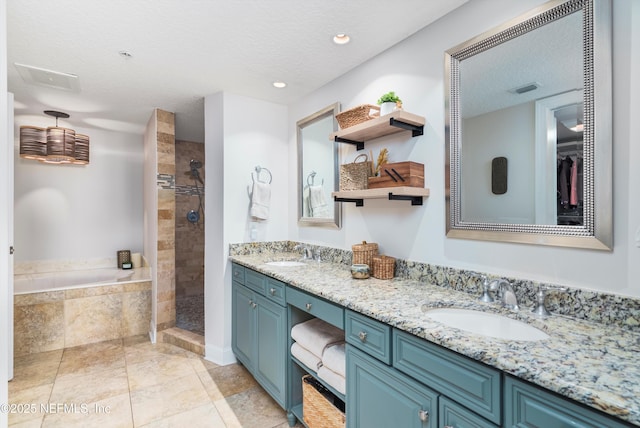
<point>166,169</point>
<point>189,237</point>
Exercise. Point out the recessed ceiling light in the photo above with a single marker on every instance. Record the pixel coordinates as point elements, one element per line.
<point>278,84</point>
<point>341,39</point>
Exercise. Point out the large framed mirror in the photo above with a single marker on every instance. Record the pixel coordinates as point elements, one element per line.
<point>318,160</point>
<point>528,129</point>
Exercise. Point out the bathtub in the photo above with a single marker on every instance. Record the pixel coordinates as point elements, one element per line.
<point>65,280</point>
<point>64,309</point>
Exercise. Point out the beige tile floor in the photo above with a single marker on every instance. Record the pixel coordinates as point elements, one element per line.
<point>134,383</point>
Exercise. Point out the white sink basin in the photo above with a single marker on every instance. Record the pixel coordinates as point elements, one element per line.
<point>486,324</point>
<point>281,263</point>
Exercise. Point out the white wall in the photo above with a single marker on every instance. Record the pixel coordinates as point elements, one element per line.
<point>74,212</point>
<point>414,70</point>
<point>5,325</point>
<point>240,134</point>
<point>510,133</point>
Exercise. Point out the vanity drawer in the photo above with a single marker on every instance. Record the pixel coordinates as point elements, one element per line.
<point>237,273</point>
<point>369,335</point>
<point>472,384</point>
<point>254,280</point>
<point>275,291</point>
<point>316,306</point>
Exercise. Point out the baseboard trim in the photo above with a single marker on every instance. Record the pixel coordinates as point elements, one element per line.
<point>220,356</point>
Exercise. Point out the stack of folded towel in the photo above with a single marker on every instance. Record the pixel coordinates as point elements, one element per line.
<point>319,344</point>
<point>333,369</point>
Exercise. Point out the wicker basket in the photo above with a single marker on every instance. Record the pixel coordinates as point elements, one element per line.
<point>357,115</point>
<point>355,175</point>
<point>317,410</point>
<point>363,253</point>
<point>383,267</point>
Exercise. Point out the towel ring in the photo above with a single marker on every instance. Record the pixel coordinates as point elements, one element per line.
<point>311,176</point>
<point>258,170</point>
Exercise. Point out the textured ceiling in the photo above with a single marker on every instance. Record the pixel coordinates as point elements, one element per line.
<point>184,50</point>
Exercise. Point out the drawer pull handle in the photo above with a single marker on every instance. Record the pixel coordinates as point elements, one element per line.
<point>252,303</point>
<point>308,306</point>
<point>423,415</point>
<point>272,291</point>
<point>363,336</point>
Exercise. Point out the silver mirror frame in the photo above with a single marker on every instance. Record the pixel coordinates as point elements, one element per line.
<point>597,232</point>
<point>336,221</point>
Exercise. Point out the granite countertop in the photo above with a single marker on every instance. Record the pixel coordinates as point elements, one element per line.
<point>593,364</point>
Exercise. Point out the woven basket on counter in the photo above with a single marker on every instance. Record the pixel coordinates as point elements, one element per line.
<point>363,253</point>
<point>357,115</point>
<point>383,267</point>
<point>317,410</point>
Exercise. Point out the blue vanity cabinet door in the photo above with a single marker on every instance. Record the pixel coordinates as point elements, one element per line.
<point>271,348</point>
<point>243,324</point>
<point>474,385</point>
<point>527,405</point>
<point>380,397</point>
<point>453,415</point>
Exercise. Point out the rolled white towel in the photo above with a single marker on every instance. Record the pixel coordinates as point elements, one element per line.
<point>333,379</point>
<point>306,357</point>
<point>315,335</point>
<point>333,358</point>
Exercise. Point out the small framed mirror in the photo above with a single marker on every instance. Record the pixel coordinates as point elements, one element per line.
<point>528,129</point>
<point>318,161</point>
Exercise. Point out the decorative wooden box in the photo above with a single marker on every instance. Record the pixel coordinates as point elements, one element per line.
<point>399,174</point>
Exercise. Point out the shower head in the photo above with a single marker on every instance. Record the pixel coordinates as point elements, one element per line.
<point>195,164</point>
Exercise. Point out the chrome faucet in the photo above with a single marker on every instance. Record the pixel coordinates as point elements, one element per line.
<point>307,252</point>
<point>505,293</point>
<point>485,296</point>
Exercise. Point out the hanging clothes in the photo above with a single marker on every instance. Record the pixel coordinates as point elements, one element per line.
<point>573,191</point>
<point>564,181</point>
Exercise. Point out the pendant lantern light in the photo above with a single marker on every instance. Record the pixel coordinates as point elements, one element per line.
<point>54,144</point>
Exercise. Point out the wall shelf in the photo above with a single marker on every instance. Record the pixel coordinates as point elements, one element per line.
<point>397,121</point>
<point>405,193</point>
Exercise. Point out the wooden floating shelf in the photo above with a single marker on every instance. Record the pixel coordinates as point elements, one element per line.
<point>413,194</point>
<point>397,121</point>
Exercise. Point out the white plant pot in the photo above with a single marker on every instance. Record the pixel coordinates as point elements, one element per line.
<point>386,108</point>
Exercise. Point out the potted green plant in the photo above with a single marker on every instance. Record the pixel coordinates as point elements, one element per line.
<point>389,102</point>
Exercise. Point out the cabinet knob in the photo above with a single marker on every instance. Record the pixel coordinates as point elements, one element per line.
<point>308,306</point>
<point>272,291</point>
<point>423,415</point>
<point>363,336</point>
<point>253,305</point>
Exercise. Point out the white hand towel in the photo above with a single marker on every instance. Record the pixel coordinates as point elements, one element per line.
<point>333,379</point>
<point>260,200</point>
<point>305,357</point>
<point>317,202</point>
<point>333,358</point>
<point>315,335</point>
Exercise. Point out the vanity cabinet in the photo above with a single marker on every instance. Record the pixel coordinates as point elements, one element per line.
<point>527,405</point>
<point>393,378</point>
<point>259,329</point>
<point>379,396</point>
<point>397,376</point>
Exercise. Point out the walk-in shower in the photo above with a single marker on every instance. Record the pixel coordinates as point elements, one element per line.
<point>190,226</point>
